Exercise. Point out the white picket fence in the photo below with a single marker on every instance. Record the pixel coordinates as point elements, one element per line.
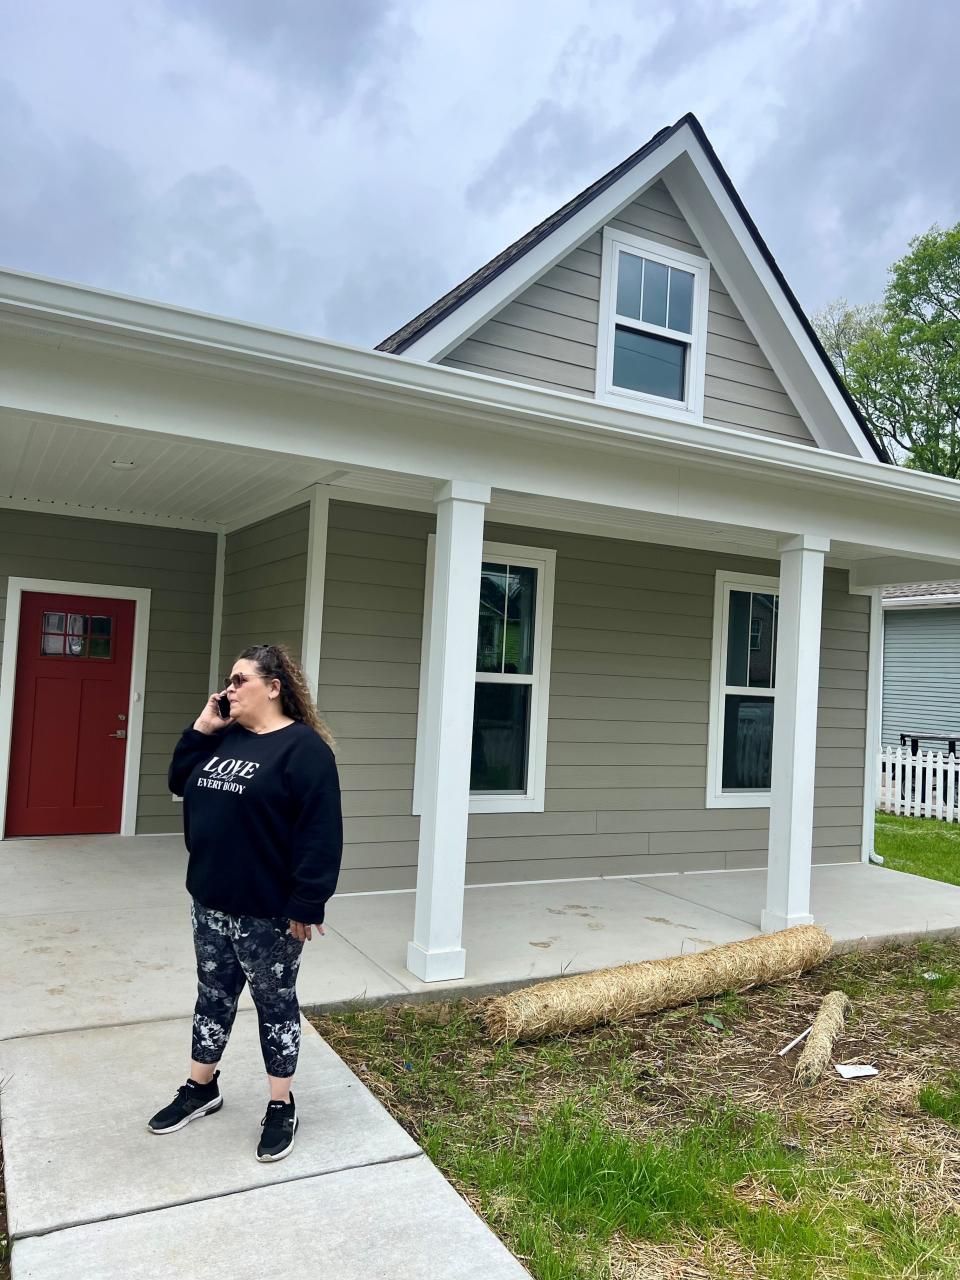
<point>925,785</point>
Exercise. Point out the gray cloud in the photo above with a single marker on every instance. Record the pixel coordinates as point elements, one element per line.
<point>331,49</point>
<point>73,209</point>
<point>868,153</point>
<point>550,151</point>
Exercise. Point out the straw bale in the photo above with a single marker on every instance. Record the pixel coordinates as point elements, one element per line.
<point>827,1027</point>
<point>615,995</point>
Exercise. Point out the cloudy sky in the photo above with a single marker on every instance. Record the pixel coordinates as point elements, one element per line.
<point>332,166</point>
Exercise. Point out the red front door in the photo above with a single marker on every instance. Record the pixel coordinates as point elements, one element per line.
<point>70,715</point>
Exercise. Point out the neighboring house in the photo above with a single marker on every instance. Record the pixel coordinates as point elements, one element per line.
<point>585,561</point>
<point>921,665</point>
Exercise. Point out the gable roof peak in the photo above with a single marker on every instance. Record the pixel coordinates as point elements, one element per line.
<point>404,337</point>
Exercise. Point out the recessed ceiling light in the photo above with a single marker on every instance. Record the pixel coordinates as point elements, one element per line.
<point>121,465</point>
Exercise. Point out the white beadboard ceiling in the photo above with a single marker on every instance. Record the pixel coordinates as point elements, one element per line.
<point>66,465</point>
<point>53,462</point>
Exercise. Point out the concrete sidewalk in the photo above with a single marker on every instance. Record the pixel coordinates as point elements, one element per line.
<point>97,981</point>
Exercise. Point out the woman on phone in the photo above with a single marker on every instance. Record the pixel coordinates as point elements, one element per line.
<point>262,824</point>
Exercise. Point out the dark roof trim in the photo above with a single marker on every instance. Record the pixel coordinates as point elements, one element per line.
<point>399,341</point>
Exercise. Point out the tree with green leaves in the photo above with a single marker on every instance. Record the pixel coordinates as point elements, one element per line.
<point>900,358</point>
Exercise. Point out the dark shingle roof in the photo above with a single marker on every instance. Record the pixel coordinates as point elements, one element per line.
<point>399,341</point>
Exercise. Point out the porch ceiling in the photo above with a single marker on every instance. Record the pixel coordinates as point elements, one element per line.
<point>65,466</point>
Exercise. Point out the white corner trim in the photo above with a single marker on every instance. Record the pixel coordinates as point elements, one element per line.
<point>872,735</point>
<point>716,798</point>
<point>216,628</point>
<point>316,580</point>
<point>543,559</point>
<point>138,672</point>
<point>691,408</point>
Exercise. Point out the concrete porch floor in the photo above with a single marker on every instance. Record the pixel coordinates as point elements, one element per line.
<point>97,982</point>
<point>95,930</point>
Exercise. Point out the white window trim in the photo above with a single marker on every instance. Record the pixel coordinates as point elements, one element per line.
<point>717,798</point>
<point>692,408</point>
<point>544,560</point>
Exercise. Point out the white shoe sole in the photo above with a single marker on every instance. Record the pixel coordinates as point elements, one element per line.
<point>207,1109</point>
<point>286,1151</point>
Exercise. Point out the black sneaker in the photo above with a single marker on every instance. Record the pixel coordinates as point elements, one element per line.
<point>279,1125</point>
<point>192,1100</point>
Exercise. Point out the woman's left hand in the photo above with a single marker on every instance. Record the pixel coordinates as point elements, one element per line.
<point>302,932</point>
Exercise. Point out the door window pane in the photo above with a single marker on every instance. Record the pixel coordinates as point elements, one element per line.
<point>681,301</point>
<point>501,731</point>
<point>629,285</point>
<point>642,362</point>
<point>491,629</point>
<point>55,622</point>
<point>655,276</point>
<point>747,742</point>
<point>51,644</point>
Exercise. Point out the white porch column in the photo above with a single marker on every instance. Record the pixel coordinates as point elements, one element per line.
<point>436,953</point>
<point>316,578</point>
<point>794,733</point>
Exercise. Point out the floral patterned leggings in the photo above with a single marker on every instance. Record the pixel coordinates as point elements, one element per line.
<point>232,951</point>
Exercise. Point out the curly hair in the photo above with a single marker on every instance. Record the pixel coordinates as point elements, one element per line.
<point>276,662</point>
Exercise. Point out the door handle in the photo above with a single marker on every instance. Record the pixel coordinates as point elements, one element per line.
<point>120,733</point>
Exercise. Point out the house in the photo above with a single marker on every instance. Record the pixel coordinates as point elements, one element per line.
<point>585,561</point>
<point>921,666</point>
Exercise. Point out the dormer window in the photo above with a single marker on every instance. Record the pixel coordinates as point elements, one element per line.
<point>653,322</point>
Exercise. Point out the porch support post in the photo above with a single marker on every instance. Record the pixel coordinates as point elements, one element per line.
<point>794,733</point>
<point>316,580</point>
<point>436,953</point>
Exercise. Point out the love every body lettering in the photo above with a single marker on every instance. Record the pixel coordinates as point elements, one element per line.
<point>226,775</point>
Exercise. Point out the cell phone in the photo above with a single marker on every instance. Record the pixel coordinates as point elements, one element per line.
<point>223,706</point>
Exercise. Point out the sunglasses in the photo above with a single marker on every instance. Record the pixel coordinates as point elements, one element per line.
<point>239,679</point>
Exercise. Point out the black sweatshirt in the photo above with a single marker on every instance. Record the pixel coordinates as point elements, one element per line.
<point>262,823</point>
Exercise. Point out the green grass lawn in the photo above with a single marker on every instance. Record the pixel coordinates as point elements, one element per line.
<point>677,1146</point>
<point>920,846</point>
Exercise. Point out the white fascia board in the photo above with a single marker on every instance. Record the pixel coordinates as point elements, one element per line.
<point>503,288</point>
<point>759,296</point>
<point>59,378</point>
<point>888,571</point>
<point>921,602</point>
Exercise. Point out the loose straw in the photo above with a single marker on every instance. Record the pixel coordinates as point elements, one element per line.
<point>827,1027</point>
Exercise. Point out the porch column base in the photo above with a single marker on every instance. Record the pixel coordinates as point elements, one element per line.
<point>773,921</point>
<point>436,966</point>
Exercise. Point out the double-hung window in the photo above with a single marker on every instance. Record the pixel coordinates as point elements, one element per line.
<point>514,624</point>
<point>653,322</point>
<point>743,691</point>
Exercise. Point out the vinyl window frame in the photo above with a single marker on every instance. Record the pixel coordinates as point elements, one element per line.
<point>726,582</point>
<point>543,560</point>
<point>690,408</point>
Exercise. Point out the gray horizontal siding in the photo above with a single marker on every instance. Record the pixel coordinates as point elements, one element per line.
<point>264,584</point>
<point>628,712</point>
<point>548,335</point>
<point>921,672</point>
<point>178,567</point>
